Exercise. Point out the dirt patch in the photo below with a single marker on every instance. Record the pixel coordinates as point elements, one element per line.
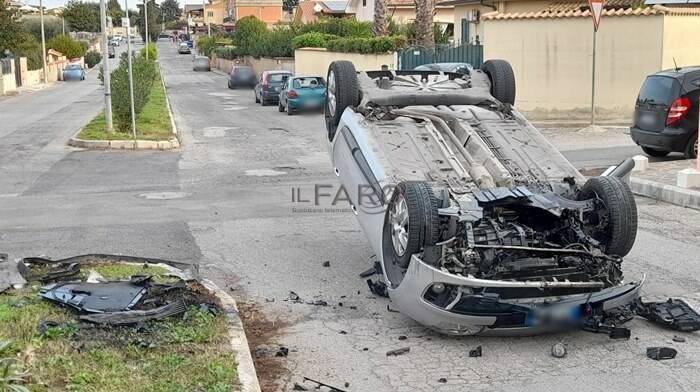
<point>263,338</point>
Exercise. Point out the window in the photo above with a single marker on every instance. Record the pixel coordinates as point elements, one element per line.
<point>364,3</point>
<point>210,14</point>
<point>659,89</point>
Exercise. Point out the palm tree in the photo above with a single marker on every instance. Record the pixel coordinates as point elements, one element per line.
<point>380,26</point>
<point>425,9</point>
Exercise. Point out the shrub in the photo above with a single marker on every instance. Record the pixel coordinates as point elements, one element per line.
<point>228,53</point>
<point>313,39</point>
<point>144,74</point>
<point>152,51</point>
<point>367,45</point>
<point>250,35</point>
<point>92,58</point>
<point>178,24</point>
<point>340,27</point>
<point>67,45</point>
<point>278,43</point>
<point>205,44</point>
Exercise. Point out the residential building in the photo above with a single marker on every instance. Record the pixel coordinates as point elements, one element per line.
<point>311,10</point>
<point>403,11</point>
<point>214,12</point>
<point>269,11</point>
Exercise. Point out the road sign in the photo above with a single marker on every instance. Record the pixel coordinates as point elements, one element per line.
<point>596,11</point>
<point>125,22</point>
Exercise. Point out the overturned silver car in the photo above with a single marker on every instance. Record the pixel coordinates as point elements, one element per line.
<point>480,224</point>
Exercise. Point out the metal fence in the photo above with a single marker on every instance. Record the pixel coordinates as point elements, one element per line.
<point>465,53</point>
<point>6,65</point>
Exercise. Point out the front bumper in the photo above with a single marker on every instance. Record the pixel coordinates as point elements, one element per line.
<point>669,139</point>
<point>493,316</point>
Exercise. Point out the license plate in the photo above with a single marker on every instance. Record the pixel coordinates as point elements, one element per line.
<point>647,119</point>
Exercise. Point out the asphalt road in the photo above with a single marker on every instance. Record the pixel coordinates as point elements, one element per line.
<point>225,201</point>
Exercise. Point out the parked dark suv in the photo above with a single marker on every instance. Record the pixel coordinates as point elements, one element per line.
<point>269,86</point>
<point>666,113</point>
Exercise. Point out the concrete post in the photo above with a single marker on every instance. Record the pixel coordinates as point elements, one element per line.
<point>105,68</point>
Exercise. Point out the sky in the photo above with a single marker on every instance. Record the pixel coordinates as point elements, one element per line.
<point>132,3</point>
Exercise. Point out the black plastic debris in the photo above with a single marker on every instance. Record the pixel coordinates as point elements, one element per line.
<point>378,288</point>
<point>321,384</point>
<point>343,332</point>
<point>326,263</point>
<point>398,351</point>
<point>95,297</point>
<point>299,387</point>
<point>318,302</point>
<point>678,339</point>
<point>661,353</point>
<point>209,308</point>
<point>558,350</point>
<point>136,316</point>
<point>44,327</point>
<point>376,269</point>
<point>674,313</point>
<point>52,271</point>
<point>475,353</point>
<point>402,337</point>
<point>293,296</point>
<point>442,380</point>
<point>282,352</point>
<point>390,310</point>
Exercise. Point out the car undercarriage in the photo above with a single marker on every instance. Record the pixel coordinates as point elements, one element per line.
<point>481,225</point>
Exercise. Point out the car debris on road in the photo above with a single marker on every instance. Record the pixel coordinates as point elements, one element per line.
<point>398,351</point>
<point>661,353</point>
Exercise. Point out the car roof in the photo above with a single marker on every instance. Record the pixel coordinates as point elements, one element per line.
<point>678,72</point>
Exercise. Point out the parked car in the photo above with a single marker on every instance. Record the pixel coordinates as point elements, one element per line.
<point>481,226</point>
<point>201,63</point>
<point>666,113</point>
<point>269,85</point>
<point>464,68</point>
<point>111,52</point>
<point>302,93</point>
<point>242,76</point>
<point>183,48</point>
<point>73,72</point>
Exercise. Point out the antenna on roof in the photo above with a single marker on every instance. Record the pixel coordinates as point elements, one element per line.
<point>676,65</point>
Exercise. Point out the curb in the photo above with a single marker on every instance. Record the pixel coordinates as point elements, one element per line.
<point>667,193</point>
<point>239,342</point>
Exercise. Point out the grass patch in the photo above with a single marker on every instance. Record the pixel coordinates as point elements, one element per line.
<point>185,353</point>
<point>152,124</point>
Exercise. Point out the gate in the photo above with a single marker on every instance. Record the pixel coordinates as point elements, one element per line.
<point>465,53</point>
<point>6,65</point>
<point>18,72</point>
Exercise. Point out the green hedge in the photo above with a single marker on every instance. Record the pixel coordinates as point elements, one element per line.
<point>92,58</point>
<point>144,74</point>
<point>313,39</point>
<point>152,51</point>
<point>67,45</point>
<point>367,45</point>
<point>228,53</point>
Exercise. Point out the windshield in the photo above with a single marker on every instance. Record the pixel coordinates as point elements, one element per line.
<point>659,89</point>
<point>243,71</point>
<point>310,82</point>
<point>277,77</point>
<point>73,66</point>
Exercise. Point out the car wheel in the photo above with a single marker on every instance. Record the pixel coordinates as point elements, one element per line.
<point>341,91</point>
<point>229,85</point>
<point>655,153</point>
<point>691,151</point>
<point>290,111</point>
<point>256,98</point>
<point>613,223</point>
<point>280,108</point>
<point>411,224</point>
<point>263,102</point>
<point>502,80</point>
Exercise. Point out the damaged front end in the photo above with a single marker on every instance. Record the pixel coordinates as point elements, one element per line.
<point>513,262</point>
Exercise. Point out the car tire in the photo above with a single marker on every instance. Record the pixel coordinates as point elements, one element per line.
<point>691,151</point>
<point>654,152</point>
<point>342,92</point>
<point>229,85</point>
<point>614,222</point>
<point>290,111</point>
<point>502,80</point>
<point>412,214</point>
<point>280,108</point>
<point>263,102</point>
<point>256,99</point>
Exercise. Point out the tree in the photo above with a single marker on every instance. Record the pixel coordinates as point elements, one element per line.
<point>82,16</point>
<point>154,21</point>
<point>68,46</point>
<point>171,10</point>
<point>289,5</point>
<point>114,11</point>
<point>53,25</point>
<point>11,30</point>
<point>381,26</point>
<point>425,9</point>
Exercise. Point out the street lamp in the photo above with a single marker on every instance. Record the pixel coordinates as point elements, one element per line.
<point>43,40</point>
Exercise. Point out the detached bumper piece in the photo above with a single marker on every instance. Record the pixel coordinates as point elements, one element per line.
<point>675,314</point>
<point>136,316</point>
<point>95,297</point>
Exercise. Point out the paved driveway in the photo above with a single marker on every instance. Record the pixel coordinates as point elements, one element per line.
<point>225,201</point>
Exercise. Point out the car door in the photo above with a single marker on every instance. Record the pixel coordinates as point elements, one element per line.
<point>361,178</point>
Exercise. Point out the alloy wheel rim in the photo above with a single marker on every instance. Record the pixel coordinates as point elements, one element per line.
<point>330,96</point>
<point>398,219</point>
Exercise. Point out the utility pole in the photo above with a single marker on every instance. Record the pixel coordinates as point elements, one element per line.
<point>205,18</point>
<point>145,11</point>
<point>595,33</point>
<point>131,74</point>
<point>105,68</point>
<point>43,41</point>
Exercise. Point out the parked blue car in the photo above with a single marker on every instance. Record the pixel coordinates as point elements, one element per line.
<point>302,93</point>
<point>73,72</point>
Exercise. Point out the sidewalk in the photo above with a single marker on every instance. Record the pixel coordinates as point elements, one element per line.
<point>659,182</point>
